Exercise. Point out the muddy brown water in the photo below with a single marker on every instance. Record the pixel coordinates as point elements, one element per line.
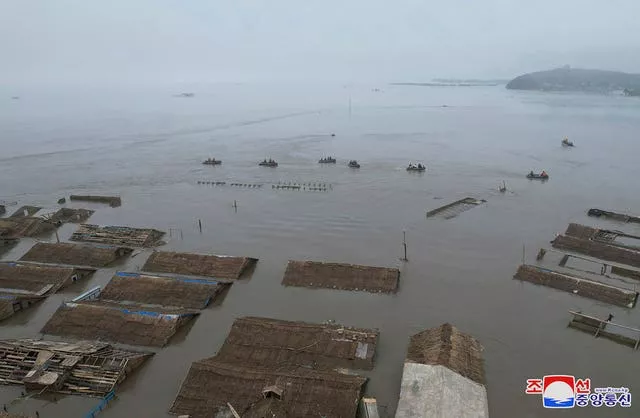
<point>148,149</point>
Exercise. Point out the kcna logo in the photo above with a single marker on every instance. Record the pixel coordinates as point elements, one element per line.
<point>563,391</point>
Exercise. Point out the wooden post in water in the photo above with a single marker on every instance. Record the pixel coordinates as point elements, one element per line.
<point>404,244</point>
<point>200,225</point>
<point>57,237</point>
<point>235,206</point>
<point>522,253</point>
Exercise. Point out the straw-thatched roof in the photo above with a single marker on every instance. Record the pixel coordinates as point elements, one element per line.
<point>219,267</point>
<point>157,290</point>
<point>211,383</point>
<point>65,215</point>
<point>17,227</point>
<point>447,346</point>
<point>120,323</point>
<point>75,254</point>
<point>36,278</point>
<point>341,276</point>
<point>271,342</point>
<point>25,211</point>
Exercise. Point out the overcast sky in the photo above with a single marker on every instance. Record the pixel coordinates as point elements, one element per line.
<point>54,41</point>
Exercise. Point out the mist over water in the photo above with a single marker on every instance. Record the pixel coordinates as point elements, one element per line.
<point>147,146</point>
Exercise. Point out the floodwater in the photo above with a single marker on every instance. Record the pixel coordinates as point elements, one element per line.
<point>147,146</point>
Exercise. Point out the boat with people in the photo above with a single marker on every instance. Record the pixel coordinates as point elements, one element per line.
<point>416,167</point>
<point>354,164</point>
<point>212,161</point>
<point>566,142</point>
<point>268,163</point>
<point>327,160</point>
<point>536,176</point>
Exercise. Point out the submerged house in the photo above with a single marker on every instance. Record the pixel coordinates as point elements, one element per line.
<point>443,376</point>
<point>75,254</point>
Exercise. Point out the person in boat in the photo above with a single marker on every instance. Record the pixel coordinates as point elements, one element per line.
<point>531,173</point>
<point>543,174</point>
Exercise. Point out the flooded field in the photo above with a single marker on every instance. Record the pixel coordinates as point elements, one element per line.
<point>148,148</point>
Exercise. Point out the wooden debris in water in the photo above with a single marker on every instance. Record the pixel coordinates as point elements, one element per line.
<point>75,254</point>
<point>577,285</point>
<point>605,328</point>
<point>341,276</point>
<point>83,368</point>
<point>456,208</point>
<point>118,235</point>
<point>216,266</point>
<point>68,215</point>
<point>112,201</point>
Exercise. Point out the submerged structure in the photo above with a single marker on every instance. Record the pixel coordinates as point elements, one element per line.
<point>216,266</point>
<point>38,279</point>
<point>341,276</point>
<point>455,208</point>
<point>81,368</point>
<point>268,367</point>
<point>606,329</point>
<point>577,285</point>
<point>75,254</point>
<point>443,376</point>
<point>112,201</point>
<point>135,309</point>
<point>118,235</point>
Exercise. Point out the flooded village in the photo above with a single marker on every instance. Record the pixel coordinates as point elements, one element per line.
<point>160,286</point>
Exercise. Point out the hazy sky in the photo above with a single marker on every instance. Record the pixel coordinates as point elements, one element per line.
<point>338,40</point>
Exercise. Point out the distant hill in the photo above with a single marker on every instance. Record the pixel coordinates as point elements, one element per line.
<point>574,79</point>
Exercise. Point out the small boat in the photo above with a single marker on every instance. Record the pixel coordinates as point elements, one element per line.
<point>535,176</point>
<point>416,167</point>
<point>268,163</point>
<point>567,143</point>
<point>354,164</point>
<point>327,160</point>
<point>212,161</point>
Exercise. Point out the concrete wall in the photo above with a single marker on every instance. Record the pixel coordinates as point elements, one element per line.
<point>436,392</point>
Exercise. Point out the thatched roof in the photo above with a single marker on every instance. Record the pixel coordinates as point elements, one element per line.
<point>157,290</point>
<point>118,235</point>
<point>271,342</point>
<point>211,383</point>
<point>580,231</point>
<point>75,254</point>
<point>126,324</point>
<point>24,227</point>
<point>33,278</point>
<point>341,276</point>
<point>219,267</point>
<point>25,211</point>
<point>12,415</point>
<point>65,215</point>
<point>447,346</point>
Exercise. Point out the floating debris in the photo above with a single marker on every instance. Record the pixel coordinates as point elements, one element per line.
<point>456,208</point>
<point>80,368</point>
<point>112,201</point>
